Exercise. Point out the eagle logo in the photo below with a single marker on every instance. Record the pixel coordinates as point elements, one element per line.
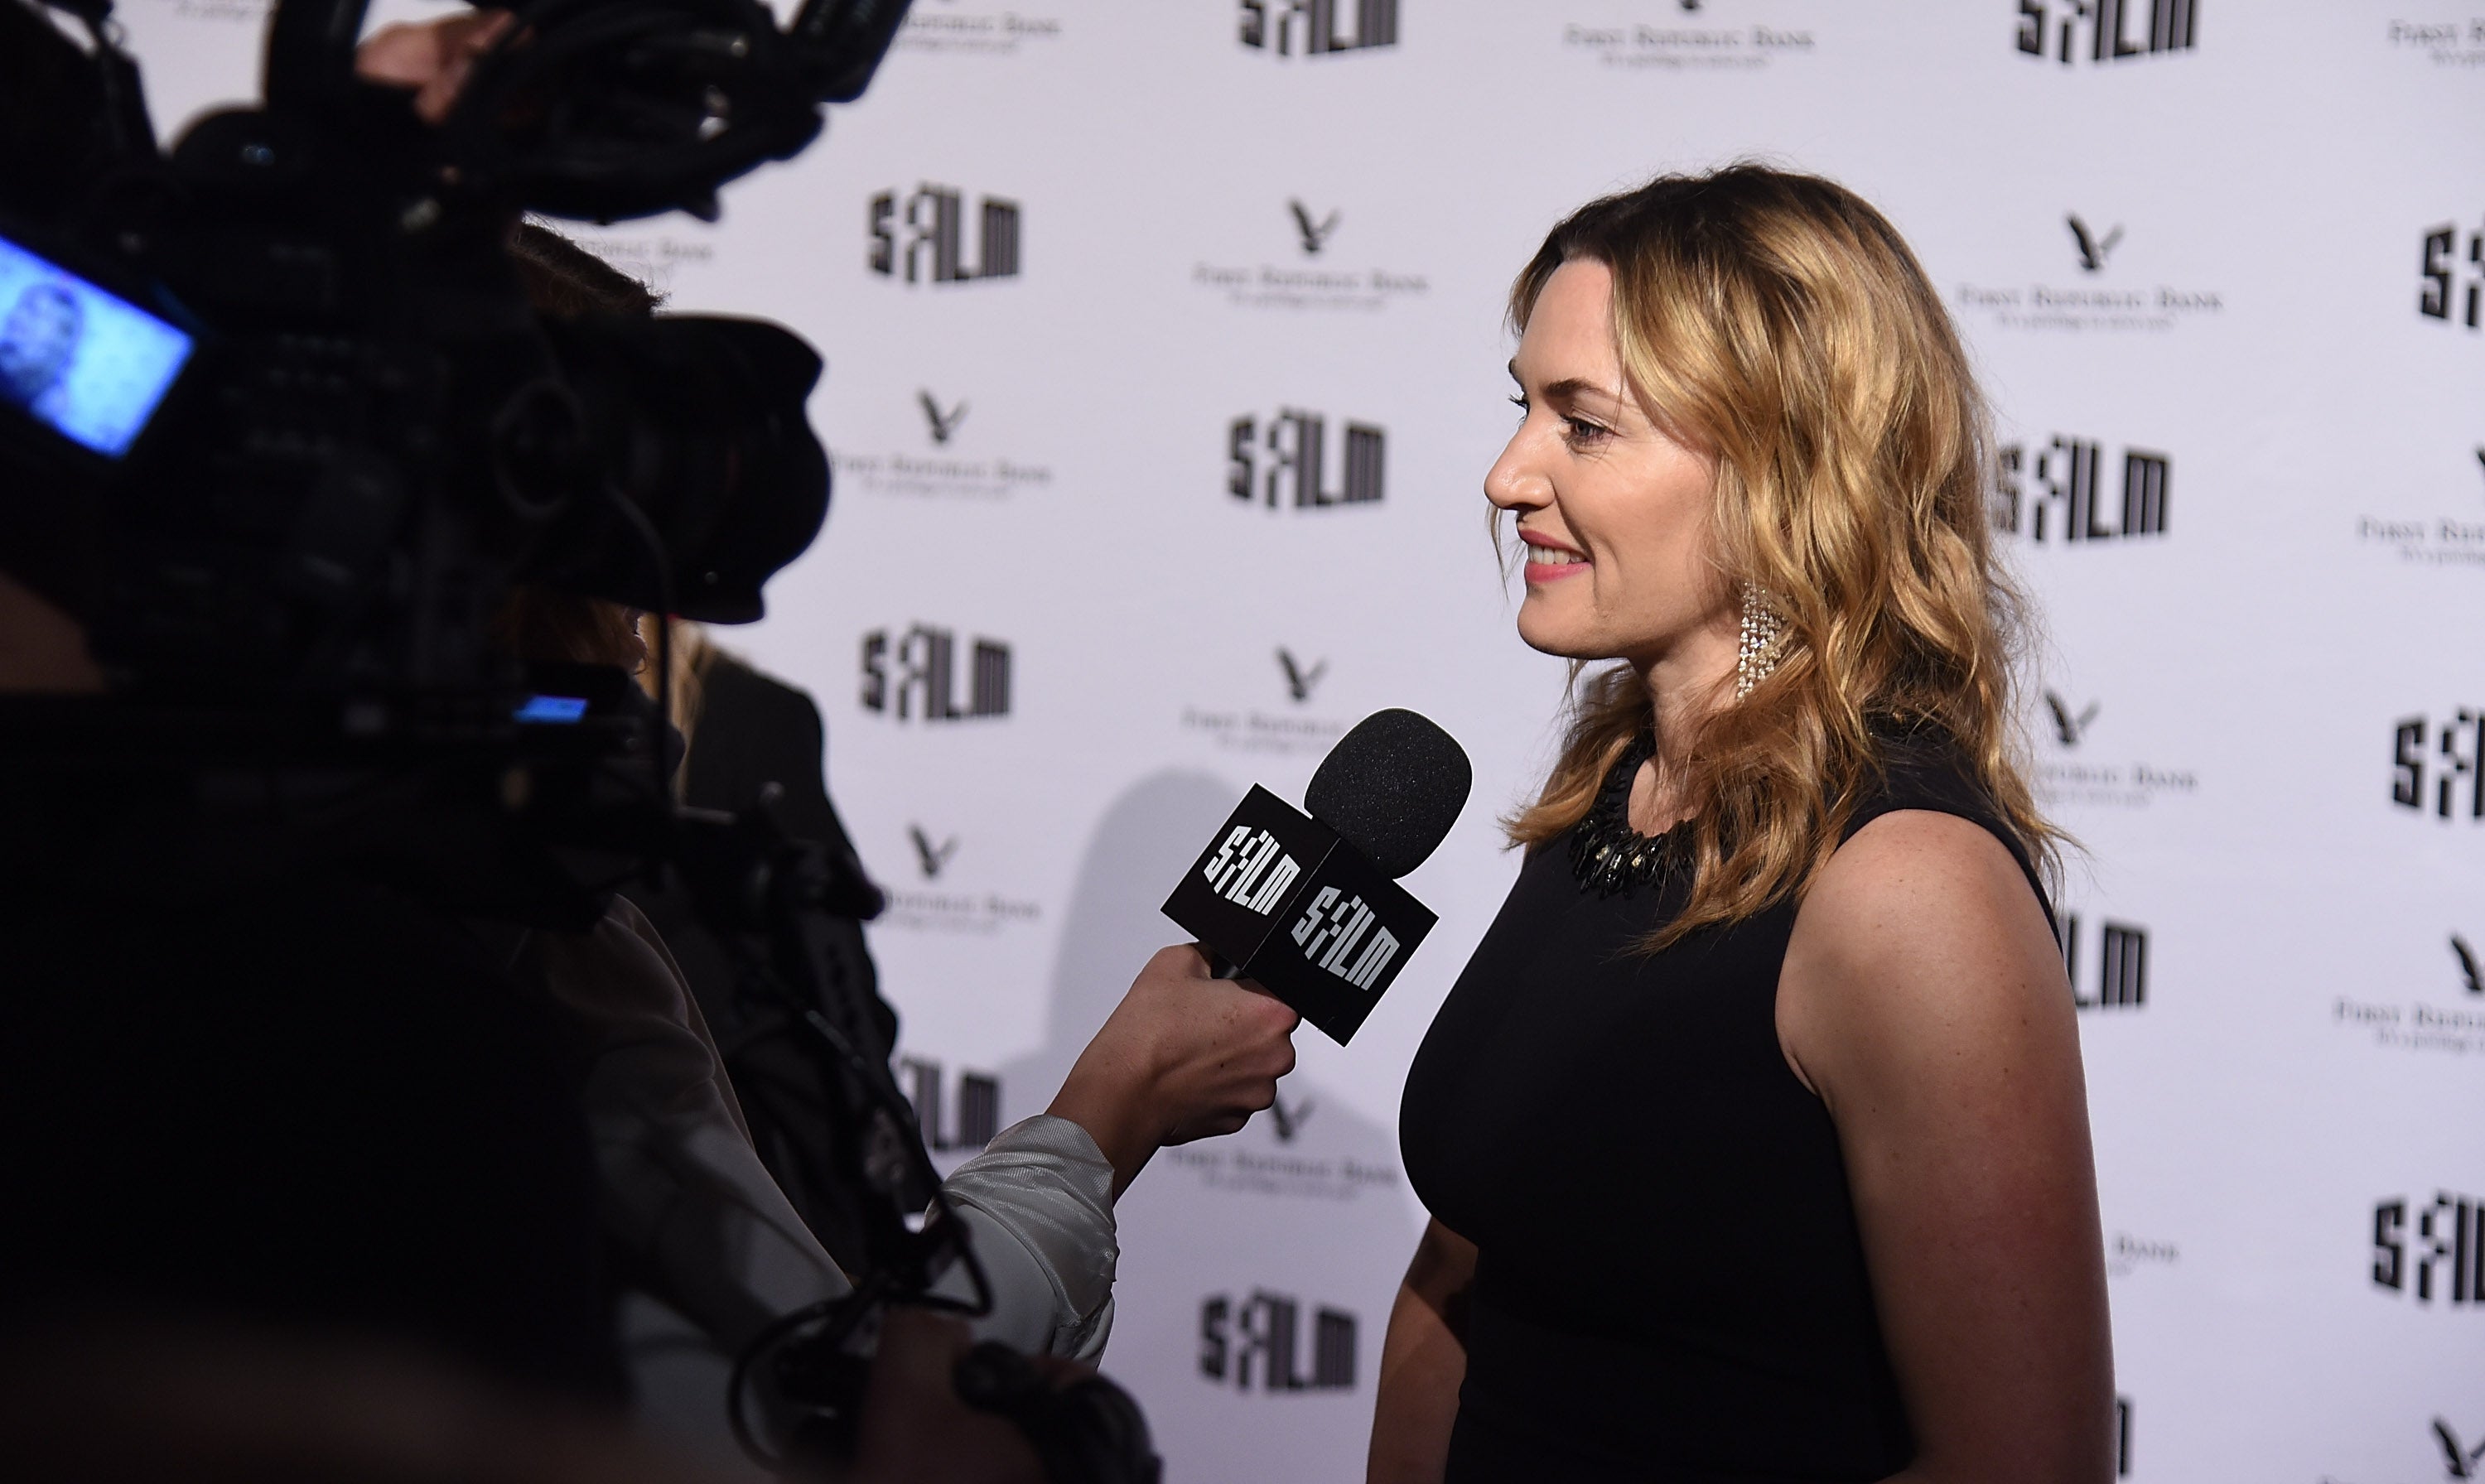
<point>1314,237</point>
<point>2068,727</point>
<point>943,423</point>
<point>932,856</point>
<point>2463,1460</point>
<point>2093,249</point>
<point>1300,681</point>
<point>2468,964</point>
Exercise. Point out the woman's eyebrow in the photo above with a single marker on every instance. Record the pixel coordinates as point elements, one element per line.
<point>1567,386</point>
<point>1571,388</point>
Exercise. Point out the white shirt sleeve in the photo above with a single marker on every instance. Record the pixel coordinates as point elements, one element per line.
<point>1038,1208</point>
<point>687,1197</point>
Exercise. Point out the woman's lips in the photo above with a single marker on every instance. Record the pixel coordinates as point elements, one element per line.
<point>1550,563</point>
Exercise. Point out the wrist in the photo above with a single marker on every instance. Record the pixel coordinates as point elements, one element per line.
<point>1113,1114</point>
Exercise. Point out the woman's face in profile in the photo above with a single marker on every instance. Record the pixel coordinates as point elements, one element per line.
<point>1614,511</point>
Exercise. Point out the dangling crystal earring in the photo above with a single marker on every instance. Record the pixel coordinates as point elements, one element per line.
<point>1757,654</point>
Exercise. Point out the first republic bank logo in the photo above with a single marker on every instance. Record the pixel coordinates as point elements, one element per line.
<point>1315,28</point>
<point>2099,300</point>
<point>1317,283</point>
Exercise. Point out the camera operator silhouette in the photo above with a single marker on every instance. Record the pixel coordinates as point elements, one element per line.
<point>39,342</point>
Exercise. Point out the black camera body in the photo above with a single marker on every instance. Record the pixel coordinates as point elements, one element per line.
<point>366,435</point>
<point>280,429</point>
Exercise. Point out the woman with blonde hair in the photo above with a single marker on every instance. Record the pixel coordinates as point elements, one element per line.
<point>1754,1133</point>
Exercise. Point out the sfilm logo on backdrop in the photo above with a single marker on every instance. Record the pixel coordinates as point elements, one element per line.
<point>923,237</point>
<point>1685,46</point>
<point>2118,972</point>
<point>1317,282</point>
<point>1312,28</point>
<point>2438,766</point>
<point>2452,281</point>
<point>1265,730</point>
<point>2437,1260</point>
<point>940,468</point>
<point>940,903</point>
<point>1261,1344</point>
<point>2068,773</point>
<point>914,676</point>
<point>1282,462</point>
<point>2101,299</point>
<point>2449,1020</point>
<point>2068,496</point>
<point>2097,31</point>
<point>952,1124</point>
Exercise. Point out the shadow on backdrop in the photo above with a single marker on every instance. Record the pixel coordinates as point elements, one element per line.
<point>1255,1267</point>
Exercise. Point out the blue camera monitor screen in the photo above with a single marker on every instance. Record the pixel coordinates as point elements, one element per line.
<point>92,366</point>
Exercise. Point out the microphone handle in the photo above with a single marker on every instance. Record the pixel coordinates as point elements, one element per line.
<point>1219,965</point>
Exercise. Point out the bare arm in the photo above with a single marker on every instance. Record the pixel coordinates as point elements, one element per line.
<point>1923,999</point>
<point>1422,1362</point>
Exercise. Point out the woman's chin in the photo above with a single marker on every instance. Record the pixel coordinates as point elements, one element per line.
<point>1566,642</point>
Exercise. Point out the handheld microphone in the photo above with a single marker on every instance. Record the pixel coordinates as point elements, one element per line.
<point>1308,904</point>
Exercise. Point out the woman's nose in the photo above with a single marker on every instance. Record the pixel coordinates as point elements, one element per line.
<point>1515,483</point>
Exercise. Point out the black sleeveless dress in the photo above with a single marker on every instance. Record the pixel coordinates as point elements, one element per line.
<point>1670,1285</point>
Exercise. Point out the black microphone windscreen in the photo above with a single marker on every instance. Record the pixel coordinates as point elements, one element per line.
<point>1392,788</point>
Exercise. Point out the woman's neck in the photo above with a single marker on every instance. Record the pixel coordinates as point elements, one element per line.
<point>1685,686</point>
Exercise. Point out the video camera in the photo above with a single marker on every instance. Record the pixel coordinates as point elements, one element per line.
<point>280,429</point>
<point>293,423</point>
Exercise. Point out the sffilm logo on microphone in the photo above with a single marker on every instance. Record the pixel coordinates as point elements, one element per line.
<point>1300,911</point>
<point>1251,870</point>
<point>1332,928</point>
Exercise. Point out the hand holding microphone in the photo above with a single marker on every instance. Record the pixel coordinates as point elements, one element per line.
<point>1183,1057</point>
<point>1310,905</point>
<point>1307,905</point>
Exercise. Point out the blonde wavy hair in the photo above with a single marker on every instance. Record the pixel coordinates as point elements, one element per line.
<point>1779,322</point>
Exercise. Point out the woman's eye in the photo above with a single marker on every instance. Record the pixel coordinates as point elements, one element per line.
<point>1580,430</point>
<point>1520,403</point>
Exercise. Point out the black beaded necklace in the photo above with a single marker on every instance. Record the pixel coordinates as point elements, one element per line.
<point>1608,855</point>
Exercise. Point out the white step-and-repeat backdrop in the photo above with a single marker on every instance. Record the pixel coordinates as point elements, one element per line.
<point>1165,361</point>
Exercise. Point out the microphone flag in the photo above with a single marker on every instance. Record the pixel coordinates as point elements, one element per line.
<point>1301,912</point>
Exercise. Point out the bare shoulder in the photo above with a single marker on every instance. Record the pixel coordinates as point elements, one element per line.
<point>1919,942</point>
<point>1923,999</point>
